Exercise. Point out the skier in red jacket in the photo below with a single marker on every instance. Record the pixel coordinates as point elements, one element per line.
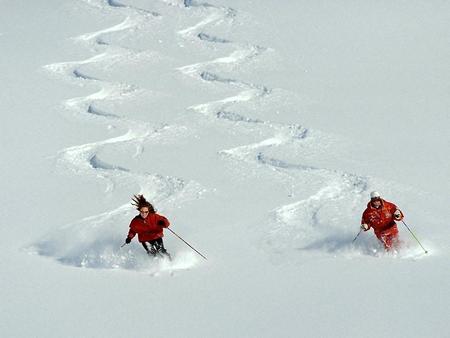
<point>381,216</point>
<point>148,225</point>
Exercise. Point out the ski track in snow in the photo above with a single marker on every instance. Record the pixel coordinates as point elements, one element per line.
<point>315,221</point>
<point>114,5</point>
<point>301,226</point>
<point>83,243</point>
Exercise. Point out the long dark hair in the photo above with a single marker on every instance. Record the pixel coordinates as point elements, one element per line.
<point>139,202</point>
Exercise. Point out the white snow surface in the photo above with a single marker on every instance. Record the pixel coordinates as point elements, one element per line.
<point>259,129</point>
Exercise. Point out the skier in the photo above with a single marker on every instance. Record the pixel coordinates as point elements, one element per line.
<point>148,225</point>
<point>381,216</point>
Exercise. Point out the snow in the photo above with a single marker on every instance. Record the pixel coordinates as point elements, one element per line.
<point>259,129</point>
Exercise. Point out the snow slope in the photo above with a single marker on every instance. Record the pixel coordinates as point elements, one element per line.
<point>258,129</point>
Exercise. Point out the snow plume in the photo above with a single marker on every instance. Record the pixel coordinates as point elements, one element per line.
<point>313,223</point>
<point>95,242</point>
<point>324,223</point>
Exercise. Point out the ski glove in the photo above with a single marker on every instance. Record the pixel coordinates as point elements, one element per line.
<point>365,227</point>
<point>398,215</point>
<point>128,240</point>
<point>161,223</point>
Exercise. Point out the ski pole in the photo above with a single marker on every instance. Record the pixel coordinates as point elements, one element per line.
<point>186,243</point>
<point>407,227</point>
<point>354,239</point>
<point>123,244</point>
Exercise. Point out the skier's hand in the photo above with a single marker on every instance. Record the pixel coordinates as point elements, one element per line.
<point>398,216</point>
<point>128,240</point>
<point>365,227</point>
<point>161,223</point>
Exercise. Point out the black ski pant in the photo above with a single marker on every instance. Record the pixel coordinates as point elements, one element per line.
<point>156,245</point>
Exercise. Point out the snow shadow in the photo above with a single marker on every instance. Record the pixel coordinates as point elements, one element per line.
<point>95,242</point>
<point>211,38</point>
<point>341,244</point>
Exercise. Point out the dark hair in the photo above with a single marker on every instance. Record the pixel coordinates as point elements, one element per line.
<point>140,202</point>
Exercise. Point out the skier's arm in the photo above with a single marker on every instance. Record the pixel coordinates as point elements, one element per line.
<point>398,215</point>
<point>163,222</point>
<point>365,224</point>
<point>131,232</point>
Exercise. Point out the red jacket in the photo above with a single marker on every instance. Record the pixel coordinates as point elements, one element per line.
<point>380,219</point>
<point>148,228</point>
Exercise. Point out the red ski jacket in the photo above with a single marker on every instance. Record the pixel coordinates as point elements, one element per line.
<point>380,219</point>
<point>148,228</point>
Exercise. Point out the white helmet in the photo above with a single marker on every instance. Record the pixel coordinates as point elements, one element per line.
<point>374,195</point>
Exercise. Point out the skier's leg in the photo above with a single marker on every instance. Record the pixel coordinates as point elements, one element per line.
<point>153,247</point>
<point>382,239</point>
<point>390,242</point>
<point>150,251</point>
<point>145,246</point>
<point>393,238</point>
<point>387,239</point>
<point>161,248</point>
<point>160,245</point>
<point>156,245</point>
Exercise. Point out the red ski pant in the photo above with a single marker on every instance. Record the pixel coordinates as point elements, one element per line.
<point>388,237</point>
